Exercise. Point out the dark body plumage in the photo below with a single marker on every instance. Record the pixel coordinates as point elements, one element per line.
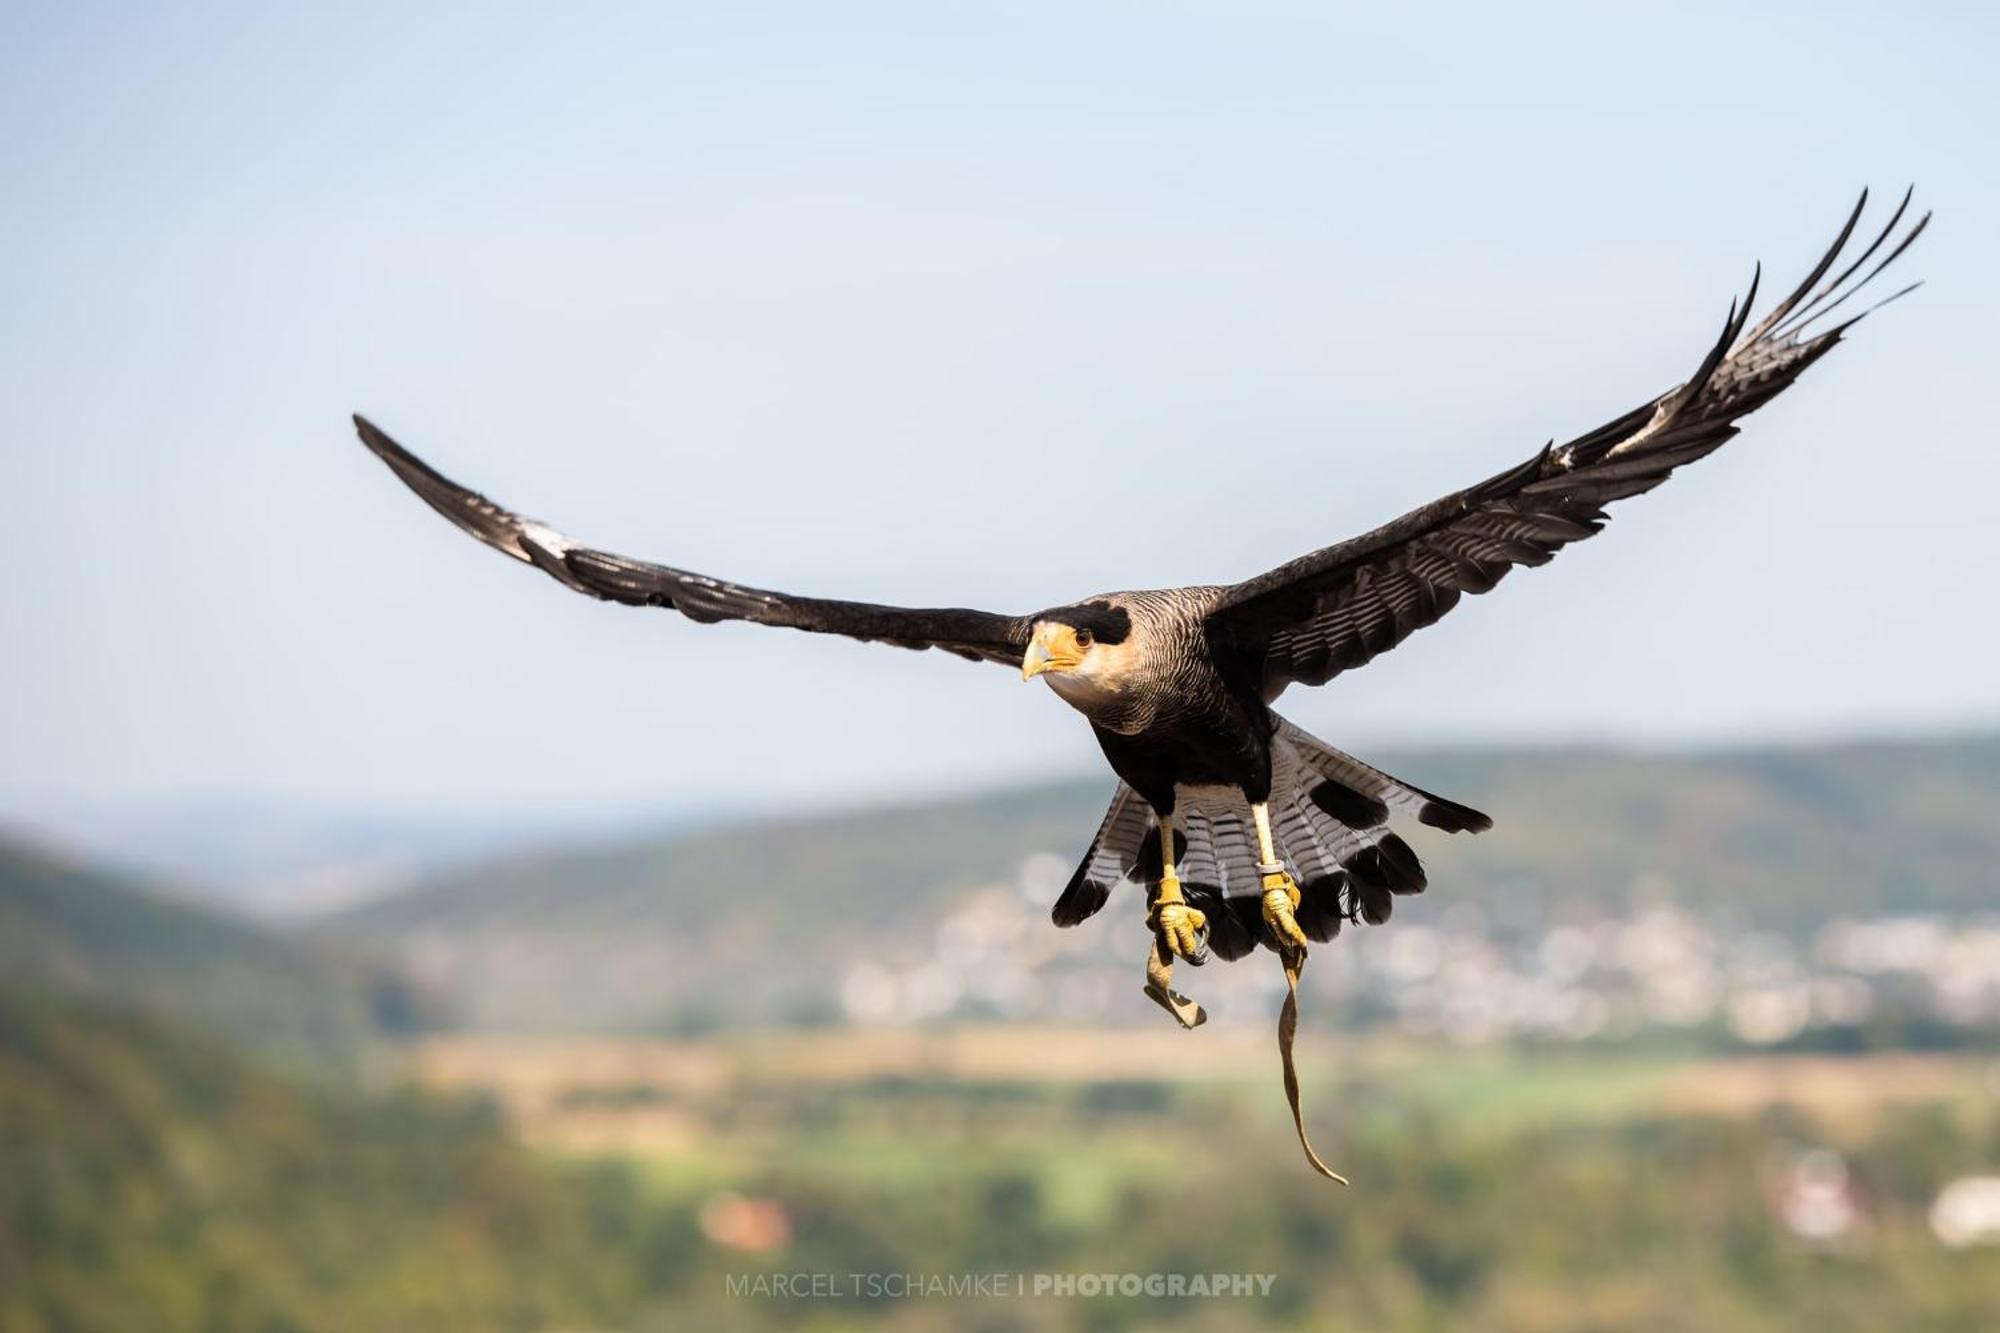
<point>1178,683</point>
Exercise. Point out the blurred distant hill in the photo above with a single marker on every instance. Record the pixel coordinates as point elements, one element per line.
<point>761,921</point>
<point>284,859</point>
<point>72,928</point>
<point>750,922</point>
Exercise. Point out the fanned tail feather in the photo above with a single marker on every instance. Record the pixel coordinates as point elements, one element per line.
<point>1329,818</point>
<point>1113,855</point>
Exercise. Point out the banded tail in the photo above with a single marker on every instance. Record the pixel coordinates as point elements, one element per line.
<point>1329,818</point>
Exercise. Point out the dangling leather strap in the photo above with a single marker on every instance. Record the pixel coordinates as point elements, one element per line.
<point>1288,1030</point>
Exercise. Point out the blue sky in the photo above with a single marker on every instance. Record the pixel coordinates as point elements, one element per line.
<point>995,305</point>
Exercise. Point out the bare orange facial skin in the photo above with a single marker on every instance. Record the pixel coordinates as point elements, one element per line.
<point>1055,647</point>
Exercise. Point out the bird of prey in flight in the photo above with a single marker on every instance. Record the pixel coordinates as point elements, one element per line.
<point>1245,829</point>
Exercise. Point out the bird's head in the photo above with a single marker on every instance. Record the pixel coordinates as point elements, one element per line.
<point>1076,641</point>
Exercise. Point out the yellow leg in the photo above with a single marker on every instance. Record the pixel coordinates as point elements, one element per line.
<point>1177,925</point>
<point>1175,932</point>
<point>1281,892</point>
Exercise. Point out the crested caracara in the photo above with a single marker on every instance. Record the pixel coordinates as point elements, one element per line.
<point>1245,829</point>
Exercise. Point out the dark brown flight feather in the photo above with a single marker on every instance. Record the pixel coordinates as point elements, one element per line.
<point>979,635</point>
<point>1340,607</point>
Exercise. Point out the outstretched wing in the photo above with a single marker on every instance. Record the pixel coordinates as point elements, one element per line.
<point>1339,607</point>
<point>975,634</point>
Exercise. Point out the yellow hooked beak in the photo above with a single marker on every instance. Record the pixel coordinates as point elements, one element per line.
<point>1054,648</point>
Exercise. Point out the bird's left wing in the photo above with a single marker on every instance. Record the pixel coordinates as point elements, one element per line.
<point>1339,607</point>
<point>980,635</point>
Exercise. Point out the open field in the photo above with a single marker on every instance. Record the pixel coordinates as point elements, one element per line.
<point>1607,1188</point>
<point>665,1098</point>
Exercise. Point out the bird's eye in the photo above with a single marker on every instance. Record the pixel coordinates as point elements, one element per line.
<point>1083,638</point>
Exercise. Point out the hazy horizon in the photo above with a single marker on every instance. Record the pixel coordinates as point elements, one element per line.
<point>998,311</point>
<point>726,805</point>
<point>290,859</point>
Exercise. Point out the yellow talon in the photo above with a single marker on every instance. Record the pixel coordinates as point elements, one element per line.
<point>1177,925</point>
<point>1281,902</point>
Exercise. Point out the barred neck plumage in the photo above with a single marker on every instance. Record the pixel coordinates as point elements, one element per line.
<point>1161,672</point>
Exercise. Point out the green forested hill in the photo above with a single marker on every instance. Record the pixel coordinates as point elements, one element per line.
<point>69,927</point>
<point>759,921</point>
<point>151,1179</point>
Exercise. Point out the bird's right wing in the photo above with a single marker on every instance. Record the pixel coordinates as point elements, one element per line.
<point>1339,607</point>
<point>980,635</point>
